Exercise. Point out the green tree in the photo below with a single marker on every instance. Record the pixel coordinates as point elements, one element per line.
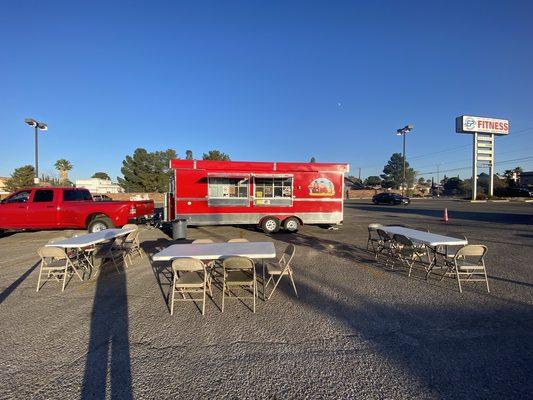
<point>101,175</point>
<point>63,166</point>
<point>373,181</point>
<point>393,172</point>
<point>188,155</point>
<point>21,178</point>
<point>312,160</point>
<point>512,175</point>
<point>146,172</point>
<point>454,187</point>
<point>215,155</point>
<point>421,181</point>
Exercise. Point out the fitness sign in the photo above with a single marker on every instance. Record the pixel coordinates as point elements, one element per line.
<point>471,124</point>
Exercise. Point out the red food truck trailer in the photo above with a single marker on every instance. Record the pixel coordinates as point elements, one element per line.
<point>269,194</point>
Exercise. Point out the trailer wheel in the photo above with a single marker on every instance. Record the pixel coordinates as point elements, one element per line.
<point>99,224</point>
<point>270,225</point>
<point>291,224</point>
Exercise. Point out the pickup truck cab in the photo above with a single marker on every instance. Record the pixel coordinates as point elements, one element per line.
<point>66,208</point>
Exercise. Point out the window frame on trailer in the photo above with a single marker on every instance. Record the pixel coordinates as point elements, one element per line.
<point>273,201</point>
<point>238,201</point>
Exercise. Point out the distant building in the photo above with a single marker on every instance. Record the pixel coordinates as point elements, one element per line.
<point>3,190</point>
<point>99,186</point>
<point>525,179</point>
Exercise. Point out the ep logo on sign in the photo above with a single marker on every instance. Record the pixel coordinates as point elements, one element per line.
<point>470,123</point>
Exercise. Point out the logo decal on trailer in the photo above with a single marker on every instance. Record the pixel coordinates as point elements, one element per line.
<point>321,187</point>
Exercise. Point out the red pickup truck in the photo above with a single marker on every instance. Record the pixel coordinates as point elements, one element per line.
<point>62,208</point>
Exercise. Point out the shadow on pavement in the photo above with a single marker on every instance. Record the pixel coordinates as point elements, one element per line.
<point>8,290</point>
<point>449,353</point>
<point>503,218</point>
<point>108,356</point>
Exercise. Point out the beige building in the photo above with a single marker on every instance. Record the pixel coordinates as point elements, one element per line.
<point>99,186</point>
<point>3,190</point>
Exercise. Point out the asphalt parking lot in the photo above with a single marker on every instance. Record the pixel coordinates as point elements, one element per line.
<point>357,330</point>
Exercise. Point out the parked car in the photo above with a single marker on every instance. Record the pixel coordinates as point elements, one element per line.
<point>520,192</point>
<point>64,208</point>
<point>101,197</point>
<point>390,198</point>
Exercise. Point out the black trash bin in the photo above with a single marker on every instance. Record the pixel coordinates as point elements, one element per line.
<point>179,228</point>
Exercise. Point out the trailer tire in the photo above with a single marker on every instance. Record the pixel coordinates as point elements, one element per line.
<point>291,224</point>
<point>99,223</point>
<point>270,224</point>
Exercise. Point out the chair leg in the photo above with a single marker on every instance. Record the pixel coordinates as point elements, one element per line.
<point>293,284</point>
<point>173,292</point>
<point>255,291</point>
<point>458,280</point>
<point>203,302</point>
<point>275,285</point>
<point>486,279</point>
<point>39,280</point>
<point>65,274</point>
<point>223,292</point>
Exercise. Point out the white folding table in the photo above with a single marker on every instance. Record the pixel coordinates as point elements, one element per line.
<point>85,241</point>
<point>217,251</point>
<point>430,240</point>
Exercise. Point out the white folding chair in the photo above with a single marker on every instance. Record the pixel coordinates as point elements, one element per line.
<point>407,252</point>
<point>280,269</point>
<point>373,237</point>
<point>238,272</point>
<point>55,265</point>
<point>468,265</point>
<point>189,276</point>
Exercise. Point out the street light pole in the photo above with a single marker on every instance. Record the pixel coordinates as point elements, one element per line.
<point>403,180</point>
<point>402,132</point>
<point>38,126</point>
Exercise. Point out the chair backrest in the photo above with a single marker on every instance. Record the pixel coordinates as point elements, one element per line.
<point>119,240</point>
<point>57,239</point>
<point>287,255</point>
<point>238,240</point>
<point>187,264</point>
<point>403,240</point>
<point>374,226</point>
<point>202,241</point>
<point>52,252</point>
<point>130,226</point>
<point>455,235</point>
<point>384,235</point>
<point>474,252</point>
<point>132,236</point>
<point>236,262</point>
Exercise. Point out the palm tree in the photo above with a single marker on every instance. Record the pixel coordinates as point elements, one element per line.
<point>63,166</point>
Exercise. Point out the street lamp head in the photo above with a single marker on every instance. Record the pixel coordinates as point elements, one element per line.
<point>42,127</point>
<point>404,130</point>
<point>31,122</point>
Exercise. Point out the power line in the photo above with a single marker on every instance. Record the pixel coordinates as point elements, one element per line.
<point>468,167</point>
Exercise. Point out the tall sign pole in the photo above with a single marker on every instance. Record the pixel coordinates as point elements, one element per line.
<point>483,130</point>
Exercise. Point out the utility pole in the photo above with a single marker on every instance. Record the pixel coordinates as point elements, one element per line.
<point>359,173</point>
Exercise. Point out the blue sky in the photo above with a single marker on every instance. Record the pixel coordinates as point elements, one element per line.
<point>263,80</point>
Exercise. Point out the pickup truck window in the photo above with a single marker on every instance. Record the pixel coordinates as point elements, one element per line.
<point>20,197</point>
<point>43,196</point>
<point>76,195</point>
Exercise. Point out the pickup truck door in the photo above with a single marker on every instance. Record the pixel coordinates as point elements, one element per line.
<point>42,209</point>
<point>13,210</point>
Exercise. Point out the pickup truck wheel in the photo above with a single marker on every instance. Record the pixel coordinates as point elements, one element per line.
<point>291,224</point>
<point>270,225</point>
<point>99,224</point>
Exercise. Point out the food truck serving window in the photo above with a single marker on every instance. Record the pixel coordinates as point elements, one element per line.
<point>273,191</point>
<point>228,191</point>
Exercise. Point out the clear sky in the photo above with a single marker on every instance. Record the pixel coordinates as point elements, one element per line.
<point>263,80</point>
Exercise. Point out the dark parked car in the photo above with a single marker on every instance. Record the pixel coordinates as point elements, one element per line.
<point>390,198</point>
<point>520,192</point>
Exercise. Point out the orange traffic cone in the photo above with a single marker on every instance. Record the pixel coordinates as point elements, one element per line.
<point>445,215</point>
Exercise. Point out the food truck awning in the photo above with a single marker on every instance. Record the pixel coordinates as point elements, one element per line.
<point>273,175</point>
<point>228,175</point>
